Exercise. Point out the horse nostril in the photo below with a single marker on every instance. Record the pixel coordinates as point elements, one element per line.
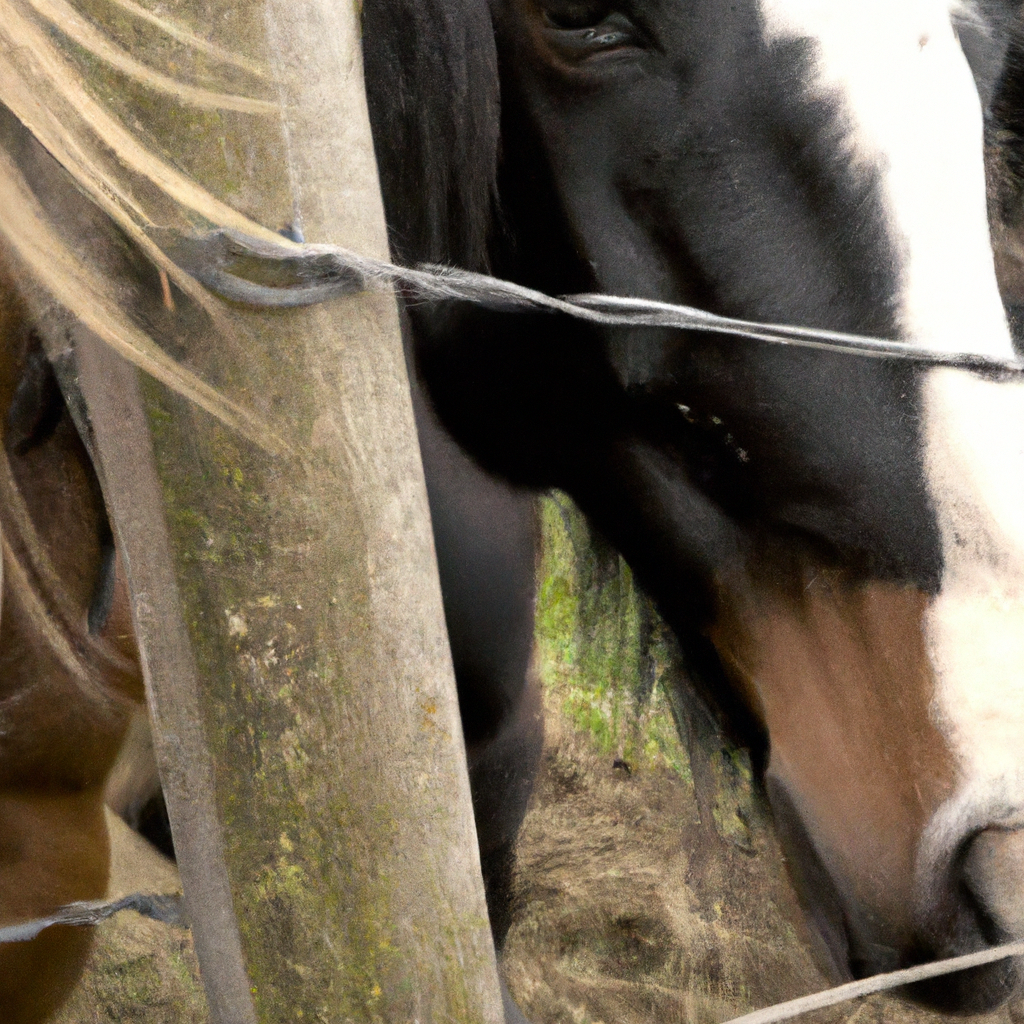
<point>993,870</point>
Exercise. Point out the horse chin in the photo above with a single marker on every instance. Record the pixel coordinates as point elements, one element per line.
<point>974,991</point>
<point>976,905</point>
<point>980,907</point>
<point>977,990</point>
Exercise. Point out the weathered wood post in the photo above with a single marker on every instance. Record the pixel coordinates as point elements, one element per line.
<point>266,492</point>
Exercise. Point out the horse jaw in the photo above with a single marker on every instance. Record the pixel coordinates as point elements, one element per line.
<point>838,671</point>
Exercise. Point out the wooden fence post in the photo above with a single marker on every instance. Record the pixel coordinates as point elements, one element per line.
<point>281,565</point>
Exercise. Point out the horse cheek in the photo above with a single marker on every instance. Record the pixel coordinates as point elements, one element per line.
<point>54,847</point>
<point>839,671</point>
<point>66,694</point>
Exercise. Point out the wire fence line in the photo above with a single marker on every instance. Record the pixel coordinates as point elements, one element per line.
<point>258,272</point>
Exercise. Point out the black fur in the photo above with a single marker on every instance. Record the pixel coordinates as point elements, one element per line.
<point>1005,128</point>
<point>431,71</point>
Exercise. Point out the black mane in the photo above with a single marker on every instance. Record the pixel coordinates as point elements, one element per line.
<point>432,88</point>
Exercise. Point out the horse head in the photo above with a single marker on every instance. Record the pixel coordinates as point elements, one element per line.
<point>849,533</point>
<point>838,541</point>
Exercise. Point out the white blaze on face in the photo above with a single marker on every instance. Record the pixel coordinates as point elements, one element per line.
<point>974,441</point>
<point>896,69</point>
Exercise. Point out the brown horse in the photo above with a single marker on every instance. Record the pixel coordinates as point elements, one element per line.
<point>69,672</point>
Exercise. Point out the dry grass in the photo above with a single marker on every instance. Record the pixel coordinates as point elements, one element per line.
<point>633,911</point>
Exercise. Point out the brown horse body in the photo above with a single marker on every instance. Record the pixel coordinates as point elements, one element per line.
<point>66,692</point>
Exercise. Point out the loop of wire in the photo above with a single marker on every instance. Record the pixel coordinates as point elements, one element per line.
<point>168,909</point>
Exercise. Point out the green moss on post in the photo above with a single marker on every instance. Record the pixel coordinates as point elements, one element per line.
<point>604,656</point>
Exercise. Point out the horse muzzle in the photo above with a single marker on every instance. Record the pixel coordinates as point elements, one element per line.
<point>973,898</point>
<point>988,884</point>
<point>993,874</point>
<point>969,896</point>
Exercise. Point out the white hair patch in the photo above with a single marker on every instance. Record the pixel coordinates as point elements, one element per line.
<point>898,74</point>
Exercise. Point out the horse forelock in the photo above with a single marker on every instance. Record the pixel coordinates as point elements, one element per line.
<point>432,87</point>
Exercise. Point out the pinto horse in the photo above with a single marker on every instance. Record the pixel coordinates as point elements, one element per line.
<point>837,541</point>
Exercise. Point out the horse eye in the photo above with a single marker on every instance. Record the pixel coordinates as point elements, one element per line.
<point>583,28</point>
